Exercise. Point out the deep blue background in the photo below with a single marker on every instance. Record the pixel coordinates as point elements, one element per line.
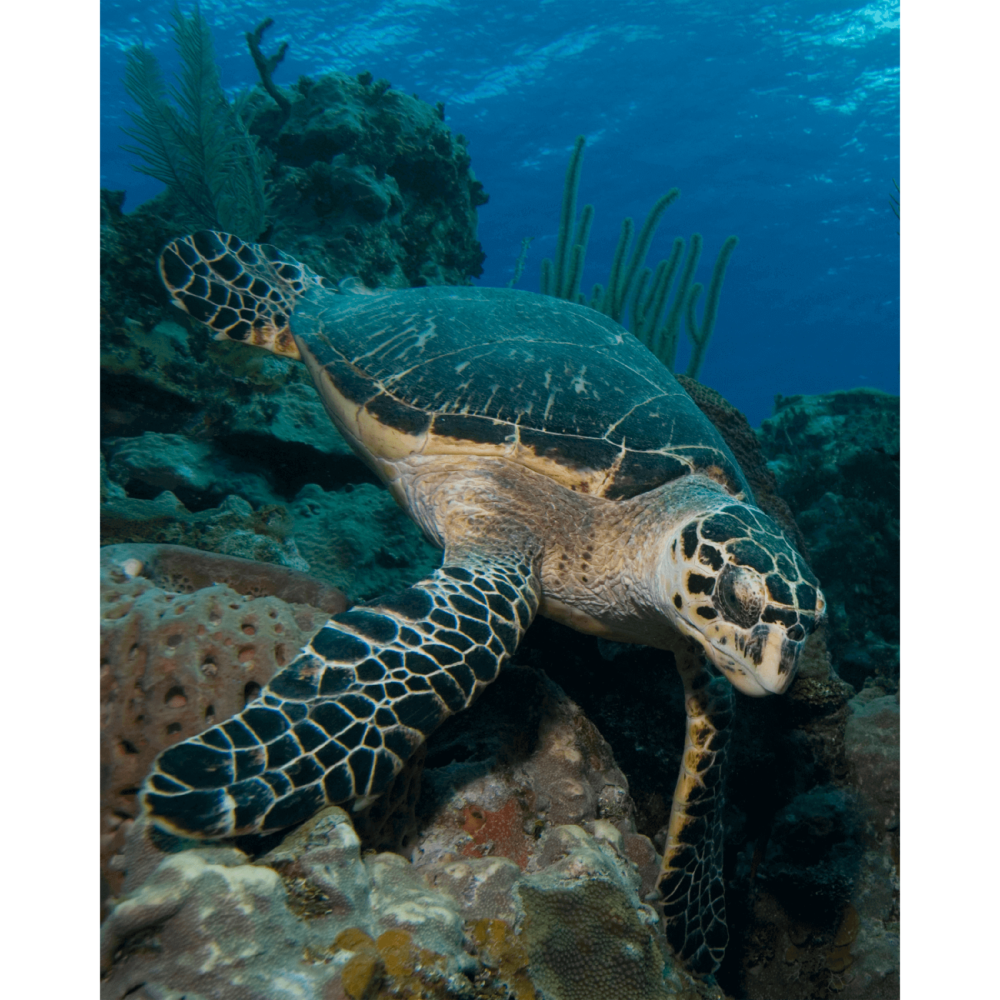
<point>778,122</point>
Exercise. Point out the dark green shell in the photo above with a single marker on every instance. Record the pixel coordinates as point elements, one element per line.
<point>559,387</point>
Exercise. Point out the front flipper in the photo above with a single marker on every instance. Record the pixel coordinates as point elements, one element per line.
<point>243,291</point>
<point>338,723</point>
<point>690,881</point>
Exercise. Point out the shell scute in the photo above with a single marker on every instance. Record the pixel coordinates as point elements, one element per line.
<point>554,386</point>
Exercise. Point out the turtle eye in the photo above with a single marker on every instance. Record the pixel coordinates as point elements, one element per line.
<point>739,596</point>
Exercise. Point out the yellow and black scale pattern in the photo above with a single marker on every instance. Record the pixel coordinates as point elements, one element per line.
<point>717,547</point>
<point>339,722</point>
<point>691,885</point>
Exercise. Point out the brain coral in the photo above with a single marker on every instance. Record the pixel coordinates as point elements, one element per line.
<point>179,652</point>
<point>586,934</point>
<point>586,943</point>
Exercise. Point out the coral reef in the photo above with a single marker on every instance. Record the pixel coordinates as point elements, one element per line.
<point>813,853</point>
<point>187,637</point>
<point>519,847</point>
<point>836,460</point>
<point>848,944</point>
<point>872,963</point>
<point>484,910</point>
<point>356,538</point>
<point>554,769</point>
<point>524,761</point>
<point>207,444</point>
<point>233,528</point>
<point>200,147</point>
<point>225,448</point>
<point>207,921</point>
<point>586,934</point>
<point>354,178</point>
<point>499,777</point>
<point>381,186</point>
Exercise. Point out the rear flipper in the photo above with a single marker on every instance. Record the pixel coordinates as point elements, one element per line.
<point>338,723</point>
<point>690,881</point>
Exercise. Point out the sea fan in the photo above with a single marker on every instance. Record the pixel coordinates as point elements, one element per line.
<point>199,145</point>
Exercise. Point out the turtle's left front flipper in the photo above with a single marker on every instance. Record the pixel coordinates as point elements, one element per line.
<point>690,881</point>
<point>338,723</point>
<point>245,292</point>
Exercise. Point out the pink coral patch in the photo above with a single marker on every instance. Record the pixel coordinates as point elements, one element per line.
<point>498,834</point>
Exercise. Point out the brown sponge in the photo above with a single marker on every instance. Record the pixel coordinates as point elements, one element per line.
<point>187,639</point>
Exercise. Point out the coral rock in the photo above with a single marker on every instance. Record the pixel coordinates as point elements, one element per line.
<point>586,933</point>
<point>205,921</point>
<point>179,653</point>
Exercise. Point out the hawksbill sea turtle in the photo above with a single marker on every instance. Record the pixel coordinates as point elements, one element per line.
<point>564,472</point>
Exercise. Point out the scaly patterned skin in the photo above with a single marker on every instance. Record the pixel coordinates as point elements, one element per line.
<point>338,723</point>
<point>690,880</point>
<point>744,594</point>
<point>256,297</point>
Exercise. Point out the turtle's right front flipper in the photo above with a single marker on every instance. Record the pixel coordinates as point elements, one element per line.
<point>339,722</point>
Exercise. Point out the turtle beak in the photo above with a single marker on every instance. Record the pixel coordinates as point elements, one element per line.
<point>767,667</point>
<point>761,662</point>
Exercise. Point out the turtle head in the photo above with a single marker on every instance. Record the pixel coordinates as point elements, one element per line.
<point>736,585</point>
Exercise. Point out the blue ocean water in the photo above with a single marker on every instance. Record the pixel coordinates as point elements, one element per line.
<point>779,123</point>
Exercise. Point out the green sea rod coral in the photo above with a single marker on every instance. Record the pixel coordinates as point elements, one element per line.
<point>632,286</point>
